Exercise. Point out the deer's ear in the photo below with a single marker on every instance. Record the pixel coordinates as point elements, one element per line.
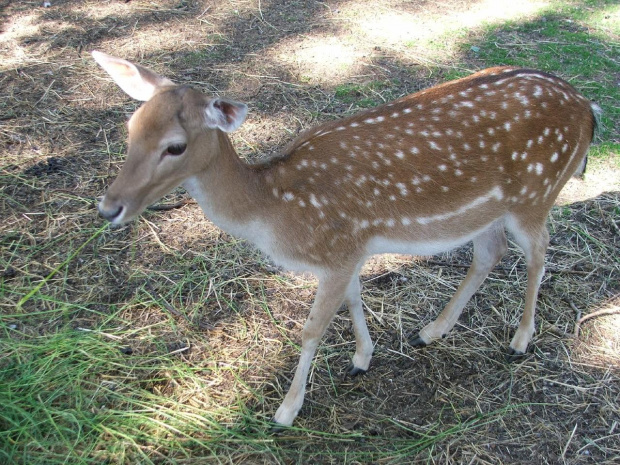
<point>224,114</point>
<point>137,82</point>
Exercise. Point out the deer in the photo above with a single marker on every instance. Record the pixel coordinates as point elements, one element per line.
<point>465,161</point>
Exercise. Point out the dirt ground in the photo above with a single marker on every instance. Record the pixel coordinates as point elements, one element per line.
<point>296,64</point>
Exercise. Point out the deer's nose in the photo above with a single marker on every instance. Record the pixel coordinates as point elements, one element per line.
<point>110,214</point>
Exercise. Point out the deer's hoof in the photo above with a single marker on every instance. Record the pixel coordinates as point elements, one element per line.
<point>353,371</point>
<point>513,355</point>
<point>276,428</point>
<point>417,342</point>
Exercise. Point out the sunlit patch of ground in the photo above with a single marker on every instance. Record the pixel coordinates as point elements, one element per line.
<point>416,32</point>
<point>600,176</point>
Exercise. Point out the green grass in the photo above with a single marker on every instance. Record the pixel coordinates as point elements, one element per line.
<point>368,95</point>
<point>75,397</point>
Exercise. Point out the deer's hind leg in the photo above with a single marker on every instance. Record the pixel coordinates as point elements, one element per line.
<point>489,247</point>
<point>363,343</point>
<point>533,238</point>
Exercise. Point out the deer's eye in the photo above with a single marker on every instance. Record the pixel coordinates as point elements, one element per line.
<point>175,149</point>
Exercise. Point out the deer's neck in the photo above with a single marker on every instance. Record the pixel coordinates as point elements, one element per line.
<point>228,190</point>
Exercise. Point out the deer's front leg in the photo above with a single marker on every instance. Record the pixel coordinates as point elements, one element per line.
<point>329,297</point>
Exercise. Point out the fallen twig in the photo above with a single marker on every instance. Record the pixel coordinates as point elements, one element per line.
<point>601,312</point>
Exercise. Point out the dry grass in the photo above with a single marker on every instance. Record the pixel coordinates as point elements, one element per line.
<point>168,341</point>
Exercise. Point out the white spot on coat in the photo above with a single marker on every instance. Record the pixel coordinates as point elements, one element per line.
<point>539,168</point>
<point>313,200</point>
